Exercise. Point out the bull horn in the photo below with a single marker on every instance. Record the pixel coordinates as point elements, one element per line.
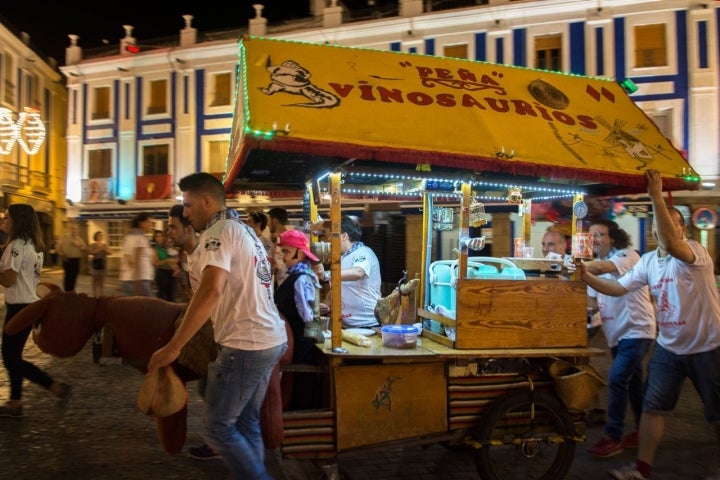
<point>50,287</point>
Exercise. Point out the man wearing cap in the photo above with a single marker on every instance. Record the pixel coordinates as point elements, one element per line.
<point>295,299</point>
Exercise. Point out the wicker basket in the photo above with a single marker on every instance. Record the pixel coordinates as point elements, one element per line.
<point>576,385</point>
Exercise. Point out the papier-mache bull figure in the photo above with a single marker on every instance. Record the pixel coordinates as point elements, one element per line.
<point>63,322</point>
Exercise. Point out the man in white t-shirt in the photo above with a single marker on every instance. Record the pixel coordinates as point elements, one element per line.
<point>359,275</point>
<point>628,323</point>
<point>236,293</point>
<point>682,282</point>
<point>137,271</point>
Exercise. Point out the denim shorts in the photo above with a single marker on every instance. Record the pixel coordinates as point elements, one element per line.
<point>667,372</point>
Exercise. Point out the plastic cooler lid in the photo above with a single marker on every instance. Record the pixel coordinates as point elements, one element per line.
<point>399,329</point>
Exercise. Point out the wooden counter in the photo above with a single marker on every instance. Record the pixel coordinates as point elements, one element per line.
<point>429,350</point>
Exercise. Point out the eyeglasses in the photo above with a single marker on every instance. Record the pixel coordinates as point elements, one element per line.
<point>599,235</point>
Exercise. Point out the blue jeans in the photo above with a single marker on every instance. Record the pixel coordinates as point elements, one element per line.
<point>667,372</point>
<point>236,386</point>
<point>625,383</point>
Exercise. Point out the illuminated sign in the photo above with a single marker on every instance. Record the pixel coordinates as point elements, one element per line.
<point>28,131</point>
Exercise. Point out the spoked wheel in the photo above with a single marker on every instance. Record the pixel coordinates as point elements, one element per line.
<point>525,440</point>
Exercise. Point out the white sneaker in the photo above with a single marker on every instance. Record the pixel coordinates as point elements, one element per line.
<point>626,473</point>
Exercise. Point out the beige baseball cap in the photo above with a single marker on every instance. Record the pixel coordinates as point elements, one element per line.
<point>162,393</point>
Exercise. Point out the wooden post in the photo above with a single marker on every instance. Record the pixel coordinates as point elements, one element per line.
<point>335,219</point>
<point>426,245</point>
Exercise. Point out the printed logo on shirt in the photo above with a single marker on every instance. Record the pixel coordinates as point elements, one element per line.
<point>212,244</point>
<point>664,305</point>
<point>359,259</point>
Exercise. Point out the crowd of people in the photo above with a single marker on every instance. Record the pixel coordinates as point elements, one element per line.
<point>663,305</point>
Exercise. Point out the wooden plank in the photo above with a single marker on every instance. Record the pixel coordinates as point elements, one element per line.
<point>521,314</point>
<point>381,403</point>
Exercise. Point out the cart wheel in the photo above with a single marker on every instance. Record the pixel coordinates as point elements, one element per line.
<point>514,445</point>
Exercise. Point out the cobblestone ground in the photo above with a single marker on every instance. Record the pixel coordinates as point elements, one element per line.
<point>101,435</point>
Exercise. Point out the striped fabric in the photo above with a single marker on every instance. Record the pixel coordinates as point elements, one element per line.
<point>309,434</point>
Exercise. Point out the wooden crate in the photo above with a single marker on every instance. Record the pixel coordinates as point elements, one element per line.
<point>535,313</point>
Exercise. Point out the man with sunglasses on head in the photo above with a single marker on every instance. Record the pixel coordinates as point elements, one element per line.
<point>235,292</point>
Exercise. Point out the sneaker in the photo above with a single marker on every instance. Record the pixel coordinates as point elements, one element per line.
<point>203,452</point>
<point>606,447</point>
<point>631,440</point>
<point>12,412</point>
<point>626,473</point>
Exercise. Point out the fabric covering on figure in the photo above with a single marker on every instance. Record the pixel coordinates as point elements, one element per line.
<point>140,326</point>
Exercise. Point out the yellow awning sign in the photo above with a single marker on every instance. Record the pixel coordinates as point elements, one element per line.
<point>397,107</point>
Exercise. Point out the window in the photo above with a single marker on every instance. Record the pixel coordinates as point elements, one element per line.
<point>157,101</point>
<point>650,46</point>
<point>100,103</point>
<point>222,86</point>
<point>100,163</point>
<point>663,121</point>
<point>548,52</point>
<point>456,51</point>
<point>31,91</point>
<point>116,230</point>
<point>155,160</point>
<point>9,77</point>
<point>217,156</point>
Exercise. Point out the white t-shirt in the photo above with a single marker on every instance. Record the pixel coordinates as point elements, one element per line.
<point>359,297</point>
<point>136,245</point>
<point>631,315</point>
<point>686,299</point>
<point>245,317</point>
<point>21,257</point>
<point>193,268</point>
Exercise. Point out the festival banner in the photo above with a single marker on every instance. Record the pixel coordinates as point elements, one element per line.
<point>401,107</point>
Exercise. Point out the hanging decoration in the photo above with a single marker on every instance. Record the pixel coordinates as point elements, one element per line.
<point>28,131</point>
<point>478,217</point>
<point>514,195</point>
<point>442,218</point>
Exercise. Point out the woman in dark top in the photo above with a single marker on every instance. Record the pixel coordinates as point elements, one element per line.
<point>166,267</point>
<point>295,299</point>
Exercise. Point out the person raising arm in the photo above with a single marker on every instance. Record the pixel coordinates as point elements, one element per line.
<point>681,279</point>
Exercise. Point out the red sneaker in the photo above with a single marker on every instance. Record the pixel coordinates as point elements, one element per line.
<point>606,447</point>
<point>631,440</point>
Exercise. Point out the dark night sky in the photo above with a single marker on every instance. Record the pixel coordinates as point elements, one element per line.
<point>49,23</point>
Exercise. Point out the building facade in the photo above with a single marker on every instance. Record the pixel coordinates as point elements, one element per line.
<point>33,109</point>
<point>145,112</point>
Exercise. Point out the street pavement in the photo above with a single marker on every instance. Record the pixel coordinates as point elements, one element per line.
<point>100,434</point>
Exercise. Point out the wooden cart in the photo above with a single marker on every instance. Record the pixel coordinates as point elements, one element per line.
<point>310,113</point>
<point>488,390</point>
